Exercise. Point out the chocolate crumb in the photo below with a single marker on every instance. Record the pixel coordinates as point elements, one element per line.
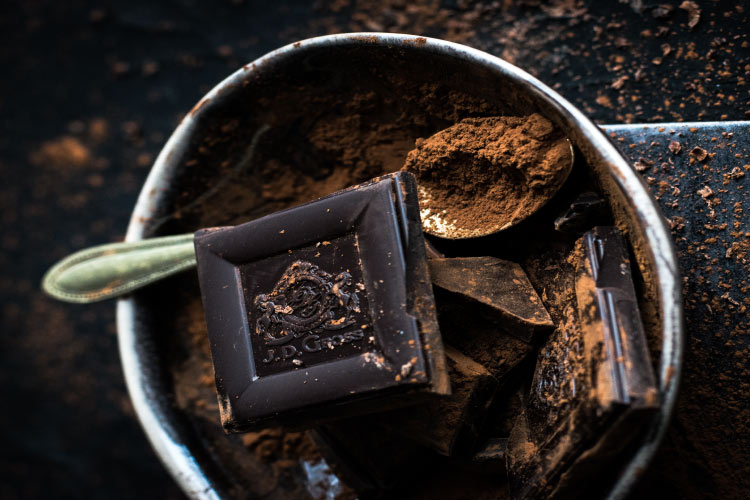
<point>694,13</point>
<point>698,153</point>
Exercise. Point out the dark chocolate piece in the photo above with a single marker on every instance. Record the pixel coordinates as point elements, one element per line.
<point>507,405</point>
<point>593,388</point>
<point>489,460</point>
<point>586,211</point>
<point>450,425</point>
<point>317,311</point>
<point>492,453</point>
<point>467,326</point>
<point>431,251</point>
<point>499,285</point>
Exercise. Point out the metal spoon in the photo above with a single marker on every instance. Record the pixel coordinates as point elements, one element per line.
<point>106,271</point>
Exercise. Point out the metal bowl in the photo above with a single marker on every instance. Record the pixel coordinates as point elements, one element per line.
<point>248,98</point>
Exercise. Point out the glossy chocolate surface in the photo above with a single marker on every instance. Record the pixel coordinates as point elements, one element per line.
<point>501,290</point>
<point>326,303</point>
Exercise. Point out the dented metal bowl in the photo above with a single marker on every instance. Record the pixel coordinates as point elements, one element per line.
<point>330,59</point>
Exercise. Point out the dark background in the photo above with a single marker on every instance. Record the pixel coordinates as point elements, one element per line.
<point>90,91</point>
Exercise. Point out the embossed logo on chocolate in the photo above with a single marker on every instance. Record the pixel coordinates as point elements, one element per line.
<point>306,300</point>
<point>309,311</point>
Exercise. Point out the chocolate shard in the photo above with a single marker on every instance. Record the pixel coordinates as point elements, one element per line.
<point>507,405</point>
<point>501,287</point>
<point>492,452</point>
<point>586,211</point>
<point>431,251</point>
<point>593,388</point>
<point>449,425</point>
<point>323,310</point>
<point>476,332</point>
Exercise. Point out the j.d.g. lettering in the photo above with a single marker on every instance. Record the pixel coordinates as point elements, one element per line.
<point>312,344</point>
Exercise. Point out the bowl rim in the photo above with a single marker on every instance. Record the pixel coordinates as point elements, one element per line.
<point>176,456</point>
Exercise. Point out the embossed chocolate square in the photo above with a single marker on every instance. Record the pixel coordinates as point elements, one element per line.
<point>323,310</point>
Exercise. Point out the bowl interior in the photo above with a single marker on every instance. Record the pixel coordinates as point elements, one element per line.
<point>318,113</point>
<point>296,125</point>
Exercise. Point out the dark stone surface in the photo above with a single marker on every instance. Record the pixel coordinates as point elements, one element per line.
<point>706,451</point>
<point>91,91</point>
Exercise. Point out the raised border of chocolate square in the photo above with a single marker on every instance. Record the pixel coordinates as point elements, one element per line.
<point>408,359</point>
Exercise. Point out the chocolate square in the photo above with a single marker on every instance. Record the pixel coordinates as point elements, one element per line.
<point>319,310</point>
<point>325,288</point>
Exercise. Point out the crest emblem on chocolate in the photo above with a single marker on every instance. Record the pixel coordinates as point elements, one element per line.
<point>306,300</point>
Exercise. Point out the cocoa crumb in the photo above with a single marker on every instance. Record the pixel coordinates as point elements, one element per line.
<point>618,84</point>
<point>737,173</point>
<point>706,192</point>
<point>643,164</point>
<point>662,11</point>
<point>64,152</point>
<point>698,153</point>
<point>694,13</point>
<point>676,223</point>
<point>604,100</point>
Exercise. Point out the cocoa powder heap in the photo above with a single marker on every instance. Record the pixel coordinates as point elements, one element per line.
<point>483,175</point>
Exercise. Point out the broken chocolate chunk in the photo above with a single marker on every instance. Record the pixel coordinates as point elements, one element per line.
<point>490,454</point>
<point>501,287</point>
<point>316,311</point>
<point>507,405</point>
<point>451,424</point>
<point>593,389</point>
<point>468,327</point>
<point>490,458</point>
<point>586,211</point>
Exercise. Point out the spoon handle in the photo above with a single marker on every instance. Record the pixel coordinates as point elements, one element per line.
<point>106,271</point>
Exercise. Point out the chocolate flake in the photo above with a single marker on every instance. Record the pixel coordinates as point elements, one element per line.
<point>498,284</point>
<point>586,211</point>
<point>620,82</point>
<point>694,13</point>
<point>643,164</point>
<point>662,11</point>
<point>698,153</point>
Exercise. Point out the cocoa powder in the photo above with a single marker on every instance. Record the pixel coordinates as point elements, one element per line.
<point>485,174</point>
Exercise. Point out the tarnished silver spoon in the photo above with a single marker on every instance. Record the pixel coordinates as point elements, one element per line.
<point>107,271</point>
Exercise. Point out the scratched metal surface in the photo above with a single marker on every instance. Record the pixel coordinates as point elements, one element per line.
<point>707,204</point>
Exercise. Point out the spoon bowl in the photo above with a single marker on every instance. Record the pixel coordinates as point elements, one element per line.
<point>443,223</point>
